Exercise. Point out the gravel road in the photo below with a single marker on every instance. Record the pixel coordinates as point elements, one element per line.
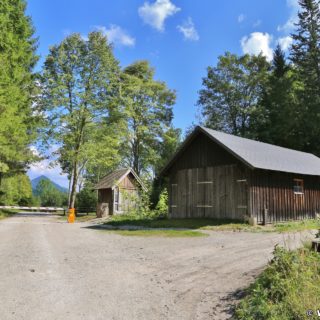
<point>52,270</point>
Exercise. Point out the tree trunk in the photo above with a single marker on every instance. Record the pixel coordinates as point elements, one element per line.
<point>74,185</point>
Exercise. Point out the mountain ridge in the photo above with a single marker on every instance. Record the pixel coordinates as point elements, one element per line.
<point>35,182</point>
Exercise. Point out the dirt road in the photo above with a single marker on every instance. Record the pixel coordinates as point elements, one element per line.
<point>52,270</point>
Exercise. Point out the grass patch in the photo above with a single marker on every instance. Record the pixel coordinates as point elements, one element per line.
<point>297,225</point>
<point>288,287</point>
<point>4,213</point>
<point>160,233</point>
<point>210,224</point>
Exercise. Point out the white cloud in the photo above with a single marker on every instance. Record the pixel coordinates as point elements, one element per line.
<point>293,18</point>
<point>117,35</point>
<point>285,42</point>
<point>188,30</point>
<point>241,17</point>
<point>257,43</point>
<point>156,13</point>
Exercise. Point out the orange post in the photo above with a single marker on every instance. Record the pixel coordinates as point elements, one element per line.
<point>71,216</point>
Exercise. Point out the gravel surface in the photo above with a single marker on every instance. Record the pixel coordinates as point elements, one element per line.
<point>52,270</point>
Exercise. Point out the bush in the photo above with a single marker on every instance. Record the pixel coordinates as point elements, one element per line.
<point>286,289</point>
<point>162,206</point>
<point>87,198</point>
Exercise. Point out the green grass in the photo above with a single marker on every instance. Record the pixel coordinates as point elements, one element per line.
<point>4,213</point>
<point>288,287</point>
<point>297,226</point>
<point>160,233</point>
<point>210,224</point>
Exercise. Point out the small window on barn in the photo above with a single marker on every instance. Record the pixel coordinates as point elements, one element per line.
<point>298,186</point>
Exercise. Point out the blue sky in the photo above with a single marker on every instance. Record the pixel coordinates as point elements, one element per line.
<point>179,38</point>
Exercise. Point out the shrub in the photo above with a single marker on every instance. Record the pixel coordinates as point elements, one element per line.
<point>87,198</point>
<point>288,287</point>
<point>162,206</point>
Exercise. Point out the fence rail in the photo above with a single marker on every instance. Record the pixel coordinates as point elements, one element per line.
<point>55,209</point>
<point>79,210</point>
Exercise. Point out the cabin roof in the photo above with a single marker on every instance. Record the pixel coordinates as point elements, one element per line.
<point>115,177</point>
<point>258,155</point>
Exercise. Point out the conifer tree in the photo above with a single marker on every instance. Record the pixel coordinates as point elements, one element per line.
<point>305,55</point>
<point>17,85</point>
<point>275,120</point>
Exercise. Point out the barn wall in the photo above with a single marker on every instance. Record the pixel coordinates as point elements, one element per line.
<point>211,192</point>
<point>274,191</point>
<point>202,152</point>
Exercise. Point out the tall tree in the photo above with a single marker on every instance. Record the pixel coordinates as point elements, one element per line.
<point>80,84</point>
<point>17,85</point>
<point>275,119</point>
<point>305,55</point>
<point>231,92</point>
<point>147,109</point>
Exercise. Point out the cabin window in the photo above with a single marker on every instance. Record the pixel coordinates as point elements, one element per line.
<point>298,186</point>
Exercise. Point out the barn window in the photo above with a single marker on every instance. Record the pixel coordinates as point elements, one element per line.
<point>298,186</point>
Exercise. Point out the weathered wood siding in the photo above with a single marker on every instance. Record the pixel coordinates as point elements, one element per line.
<point>272,196</point>
<point>128,183</point>
<point>208,181</point>
<point>201,153</point>
<point>105,196</point>
<point>211,192</point>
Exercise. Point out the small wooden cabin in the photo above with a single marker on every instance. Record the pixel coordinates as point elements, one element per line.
<point>118,192</point>
<point>218,175</point>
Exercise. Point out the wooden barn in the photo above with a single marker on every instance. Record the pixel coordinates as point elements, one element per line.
<point>118,192</point>
<point>218,175</point>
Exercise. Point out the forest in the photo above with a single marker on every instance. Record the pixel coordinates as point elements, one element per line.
<point>92,115</point>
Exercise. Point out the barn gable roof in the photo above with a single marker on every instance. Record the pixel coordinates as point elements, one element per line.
<point>258,155</point>
<point>115,177</point>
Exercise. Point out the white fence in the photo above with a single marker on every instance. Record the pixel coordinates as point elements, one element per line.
<point>53,209</point>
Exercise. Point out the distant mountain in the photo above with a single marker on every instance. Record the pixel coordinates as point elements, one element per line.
<point>35,182</point>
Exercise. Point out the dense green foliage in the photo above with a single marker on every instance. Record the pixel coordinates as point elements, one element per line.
<point>232,91</point>
<point>87,199</point>
<point>162,205</point>
<point>305,56</point>
<point>16,190</point>
<point>286,289</point>
<point>17,86</point>
<point>147,112</point>
<point>18,120</point>
<point>49,195</point>
<point>275,118</point>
